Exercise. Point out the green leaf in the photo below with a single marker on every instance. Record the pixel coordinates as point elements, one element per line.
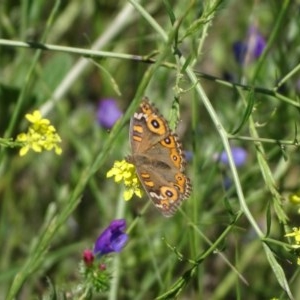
<point>278,271</point>
<point>170,11</point>
<point>247,113</point>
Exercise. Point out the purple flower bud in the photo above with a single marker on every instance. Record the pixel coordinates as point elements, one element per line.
<point>112,239</point>
<point>108,113</point>
<point>239,156</point>
<point>239,51</point>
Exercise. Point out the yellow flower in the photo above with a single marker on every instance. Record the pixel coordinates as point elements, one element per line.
<point>294,198</point>
<point>41,135</point>
<point>124,171</point>
<point>36,119</point>
<point>296,235</point>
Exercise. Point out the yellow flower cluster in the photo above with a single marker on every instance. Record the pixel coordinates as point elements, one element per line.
<point>41,135</point>
<point>296,235</point>
<point>124,171</point>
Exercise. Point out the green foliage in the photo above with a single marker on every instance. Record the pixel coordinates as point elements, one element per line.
<point>231,237</point>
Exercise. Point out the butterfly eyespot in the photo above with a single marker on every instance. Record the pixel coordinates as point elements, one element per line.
<point>167,140</point>
<point>179,178</point>
<point>170,193</point>
<point>164,204</point>
<point>155,124</point>
<point>175,157</point>
<point>171,142</point>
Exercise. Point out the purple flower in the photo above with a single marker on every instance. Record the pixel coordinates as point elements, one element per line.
<point>250,49</point>
<point>239,156</point>
<point>112,239</point>
<point>108,113</point>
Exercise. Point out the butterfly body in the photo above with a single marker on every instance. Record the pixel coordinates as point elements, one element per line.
<point>158,158</point>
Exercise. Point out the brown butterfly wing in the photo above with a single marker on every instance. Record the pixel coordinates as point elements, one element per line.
<point>159,160</point>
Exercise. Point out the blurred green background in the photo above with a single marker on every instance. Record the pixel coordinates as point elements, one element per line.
<point>53,207</point>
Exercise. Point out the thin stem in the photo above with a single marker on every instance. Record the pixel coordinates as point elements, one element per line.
<point>116,264</point>
<point>263,140</point>
<point>84,52</point>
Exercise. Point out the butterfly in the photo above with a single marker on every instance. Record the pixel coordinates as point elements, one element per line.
<point>158,158</point>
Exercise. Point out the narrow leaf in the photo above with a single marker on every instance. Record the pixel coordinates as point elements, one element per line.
<point>278,271</point>
<point>247,113</point>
